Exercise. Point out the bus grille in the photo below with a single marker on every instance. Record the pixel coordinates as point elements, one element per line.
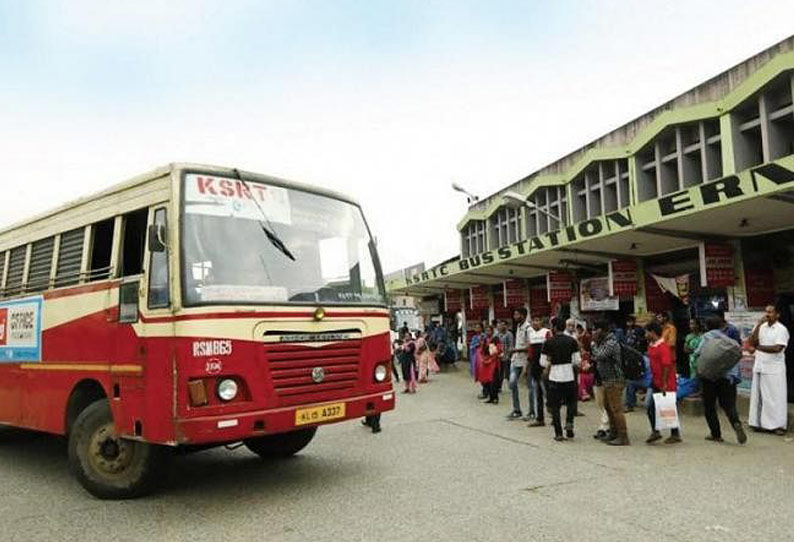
<point>291,367</point>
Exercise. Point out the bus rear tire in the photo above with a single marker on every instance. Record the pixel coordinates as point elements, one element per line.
<point>109,467</point>
<point>281,445</point>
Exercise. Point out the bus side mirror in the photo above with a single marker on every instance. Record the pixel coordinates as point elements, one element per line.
<point>156,238</point>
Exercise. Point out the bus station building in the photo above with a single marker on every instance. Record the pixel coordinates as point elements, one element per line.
<point>687,209</point>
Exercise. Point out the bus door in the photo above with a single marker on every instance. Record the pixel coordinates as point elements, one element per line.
<point>143,369</point>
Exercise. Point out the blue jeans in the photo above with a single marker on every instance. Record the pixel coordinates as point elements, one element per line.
<point>633,385</point>
<point>515,373</point>
<point>631,392</point>
<point>537,390</point>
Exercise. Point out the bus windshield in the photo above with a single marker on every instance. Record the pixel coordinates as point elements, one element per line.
<point>247,242</point>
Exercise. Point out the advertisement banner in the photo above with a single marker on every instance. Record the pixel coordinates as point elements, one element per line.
<point>623,278</point>
<point>452,301</point>
<point>745,321</point>
<point>478,295</point>
<point>594,295</point>
<point>559,285</point>
<point>716,265</point>
<point>760,284</point>
<point>20,330</point>
<point>539,301</point>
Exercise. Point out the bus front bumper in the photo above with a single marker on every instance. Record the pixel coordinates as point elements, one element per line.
<point>242,425</point>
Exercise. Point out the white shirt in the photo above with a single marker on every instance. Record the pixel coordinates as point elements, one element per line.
<point>539,336</point>
<point>519,359</point>
<point>564,372</point>
<point>776,334</point>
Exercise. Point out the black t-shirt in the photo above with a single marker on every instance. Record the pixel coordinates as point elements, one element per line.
<point>560,349</point>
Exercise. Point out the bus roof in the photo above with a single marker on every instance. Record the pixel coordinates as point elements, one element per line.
<point>162,172</point>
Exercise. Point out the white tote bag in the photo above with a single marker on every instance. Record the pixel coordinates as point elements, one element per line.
<point>666,411</point>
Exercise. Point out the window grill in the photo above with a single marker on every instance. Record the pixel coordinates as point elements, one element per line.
<point>70,256</point>
<point>40,265</point>
<point>16,270</point>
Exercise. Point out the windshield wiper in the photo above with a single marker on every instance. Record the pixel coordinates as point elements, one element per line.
<point>268,230</point>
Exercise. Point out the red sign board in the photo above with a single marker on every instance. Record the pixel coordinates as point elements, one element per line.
<point>716,265</point>
<point>515,293</point>
<point>760,284</point>
<point>3,326</point>
<point>452,301</point>
<point>539,301</point>
<point>658,300</point>
<point>502,313</point>
<point>623,278</point>
<point>560,287</point>
<point>478,295</point>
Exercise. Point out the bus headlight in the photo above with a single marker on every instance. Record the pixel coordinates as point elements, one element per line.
<point>227,389</point>
<point>381,372</point>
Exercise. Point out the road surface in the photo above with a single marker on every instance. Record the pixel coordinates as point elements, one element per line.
<point>445,468</point>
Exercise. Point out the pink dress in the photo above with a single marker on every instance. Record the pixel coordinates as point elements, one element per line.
<point>423,359</point>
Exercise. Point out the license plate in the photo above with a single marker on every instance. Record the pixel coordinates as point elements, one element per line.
<point>319,414</point>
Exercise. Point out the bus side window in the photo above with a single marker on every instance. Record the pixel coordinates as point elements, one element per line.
<point>101,249</point>
<point>134,228</point>
<point>158,270</point>
<point>128,302</point>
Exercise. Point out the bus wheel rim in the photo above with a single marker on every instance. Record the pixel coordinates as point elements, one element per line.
<point>108,453</point>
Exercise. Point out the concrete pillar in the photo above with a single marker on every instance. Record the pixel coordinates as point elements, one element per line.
<point>726,142</point>
<point>763,115</point>
<point>704,159</point>
<point>633,180</point>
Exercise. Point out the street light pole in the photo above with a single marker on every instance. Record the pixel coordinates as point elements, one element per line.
<point>458,188</point>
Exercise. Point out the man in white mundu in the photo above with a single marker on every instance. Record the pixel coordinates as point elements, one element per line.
<point>768,407</point>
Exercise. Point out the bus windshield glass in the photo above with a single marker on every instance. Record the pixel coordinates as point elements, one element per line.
<point>249,242</point>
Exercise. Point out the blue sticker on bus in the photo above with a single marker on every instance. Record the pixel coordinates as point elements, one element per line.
<point>20,330</point>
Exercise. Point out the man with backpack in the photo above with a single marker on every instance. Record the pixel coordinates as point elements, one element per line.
<point>606,355</point>
<point>717,360</point>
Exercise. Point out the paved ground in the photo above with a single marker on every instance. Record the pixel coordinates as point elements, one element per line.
<point>444,468</point>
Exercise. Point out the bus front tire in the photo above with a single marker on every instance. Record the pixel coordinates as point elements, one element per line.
<point>281,445</point>
<point>107,466</point>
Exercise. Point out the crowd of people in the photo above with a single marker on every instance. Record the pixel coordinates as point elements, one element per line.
<point>418,354</point>
<point>568,361</point>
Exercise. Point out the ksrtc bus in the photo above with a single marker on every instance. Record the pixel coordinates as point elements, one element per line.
<point>190,307</point>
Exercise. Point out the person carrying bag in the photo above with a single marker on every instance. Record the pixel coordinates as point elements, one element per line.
<point>662,411</point>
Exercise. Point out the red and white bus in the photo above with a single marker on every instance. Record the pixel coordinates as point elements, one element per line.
<point>190,307</point>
